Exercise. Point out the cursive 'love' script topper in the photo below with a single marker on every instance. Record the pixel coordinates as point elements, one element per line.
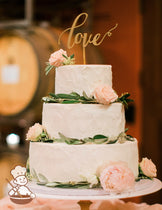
<point>83,38</point>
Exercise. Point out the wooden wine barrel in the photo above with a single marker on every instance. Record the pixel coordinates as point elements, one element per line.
<point>24,53</point>
<point>22,63</point>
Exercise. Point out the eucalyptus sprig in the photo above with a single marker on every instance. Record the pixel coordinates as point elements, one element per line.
<point>69,98</point>
<point>97,139</point>
<point>48,68</point>
<point>42,180</point>
<point>124,99</point>
<point>84,99</point>
<point>80,185</point>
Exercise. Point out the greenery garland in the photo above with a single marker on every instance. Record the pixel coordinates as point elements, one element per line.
<point>97,139</point>
<point>74,97</point>
<point>42,180</point>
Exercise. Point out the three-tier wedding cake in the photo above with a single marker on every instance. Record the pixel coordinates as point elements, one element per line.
<point>82,131</point>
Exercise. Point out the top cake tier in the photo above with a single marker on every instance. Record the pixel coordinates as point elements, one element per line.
<point>79,78</point>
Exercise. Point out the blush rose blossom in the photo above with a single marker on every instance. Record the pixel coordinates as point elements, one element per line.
<point>34,132</point>
<point>105,94</point>
<point>57,59</point>
<point>148,167</point>
<point>117,178</point>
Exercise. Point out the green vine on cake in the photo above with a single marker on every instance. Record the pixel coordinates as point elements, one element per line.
<point>40,179</point>
<point>97,139</point>
<point>37,133</point>
<point>74,98</point>
<point>147,170</point>
<point>69,98</point>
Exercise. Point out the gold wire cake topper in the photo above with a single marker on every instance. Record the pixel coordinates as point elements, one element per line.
<point>83,38</point>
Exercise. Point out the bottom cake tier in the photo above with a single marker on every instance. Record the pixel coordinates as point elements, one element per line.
<point>59,162</point>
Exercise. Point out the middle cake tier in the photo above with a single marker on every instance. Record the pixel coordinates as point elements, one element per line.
<point>83,120</point>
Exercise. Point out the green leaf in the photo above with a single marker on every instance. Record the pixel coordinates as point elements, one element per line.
<point>42,178</point>
<point>129,100</point>
<point>72,56</point>
<point>70,102</point>
<point>124,99</point>
<point>126,129</point>
<point>64,96</point>
<point>77,142</point>
<point>75,94</point>
<point>63,137</point>
<point>53,95</point>
<point>43,135</point>
<point>34,174</point>
<point>67,96</point>
<point>99,136</point>
<point>112,141</point>
<point>89,102</point>
<point>129,138</point>
<point>85,96</point>
<point>59,140</point>
<point>64,56</point>
<point>100,141</point>
<point>51,184</point>
<point>47,141</point>
<point>48,68</point>
<point>124,96</point>
<point>41,183</point>
<point>68,141</point>
<point>86,140</point>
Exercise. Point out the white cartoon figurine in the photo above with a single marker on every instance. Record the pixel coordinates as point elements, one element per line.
<point>20,189</point>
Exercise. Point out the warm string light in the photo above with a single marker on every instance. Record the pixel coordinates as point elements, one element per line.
<point>83,38</point>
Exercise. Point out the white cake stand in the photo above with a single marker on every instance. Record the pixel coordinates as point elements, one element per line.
<point>84,196</point>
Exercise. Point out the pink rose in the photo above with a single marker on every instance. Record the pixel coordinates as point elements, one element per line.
<point>34,132</point>
<point>57,59</point>
<point>117,178</point>
<point>105,94</point>
<point>148,167</point>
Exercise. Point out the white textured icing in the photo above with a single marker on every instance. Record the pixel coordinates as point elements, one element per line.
<point>62,162</point>
<point>79,78</point>
<point>83,120</point>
